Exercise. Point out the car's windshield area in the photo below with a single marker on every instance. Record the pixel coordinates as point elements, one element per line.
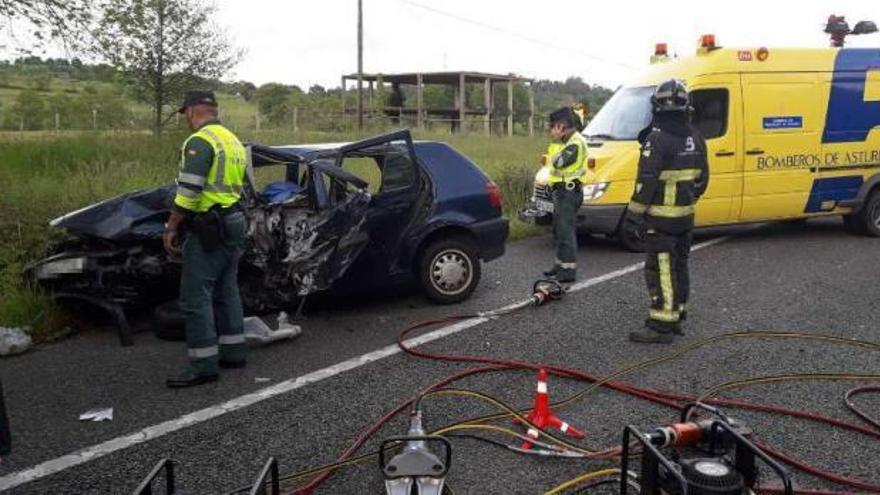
<point>623,116</point>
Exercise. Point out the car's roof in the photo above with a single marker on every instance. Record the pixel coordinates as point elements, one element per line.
<point>313,147</point>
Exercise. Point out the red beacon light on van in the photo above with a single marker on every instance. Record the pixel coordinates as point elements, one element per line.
<point>707,43</point>
<point>661,53</point>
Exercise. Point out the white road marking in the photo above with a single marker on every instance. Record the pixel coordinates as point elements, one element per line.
<point>152,432</point>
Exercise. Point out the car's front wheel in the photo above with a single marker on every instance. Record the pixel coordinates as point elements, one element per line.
<point>449,270</point>
<point>865,221</point>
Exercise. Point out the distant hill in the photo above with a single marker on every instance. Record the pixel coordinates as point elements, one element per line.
<point>45,94</point>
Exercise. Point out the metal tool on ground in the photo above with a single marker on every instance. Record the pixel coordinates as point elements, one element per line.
<point>416,470</point>
<point>703,457</point>
<point>543,417</point>
<point>544,291</point>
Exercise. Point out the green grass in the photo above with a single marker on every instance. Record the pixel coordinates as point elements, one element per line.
<point>48,174</point>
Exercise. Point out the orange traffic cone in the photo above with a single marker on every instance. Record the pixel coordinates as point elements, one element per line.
<point>542,417</point>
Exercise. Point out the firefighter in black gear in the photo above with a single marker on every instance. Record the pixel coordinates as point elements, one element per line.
<point>673,173</point>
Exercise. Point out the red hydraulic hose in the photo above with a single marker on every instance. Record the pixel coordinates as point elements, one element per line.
<point>672,400</point>
<point>847,399</point>
<point>668,399</point>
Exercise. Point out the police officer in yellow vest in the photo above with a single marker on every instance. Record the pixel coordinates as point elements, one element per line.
<point>207,225</point>
<point>567,160</point>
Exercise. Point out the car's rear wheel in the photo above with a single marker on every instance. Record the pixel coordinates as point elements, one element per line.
<point>449,270</point>
<point>865,221</point>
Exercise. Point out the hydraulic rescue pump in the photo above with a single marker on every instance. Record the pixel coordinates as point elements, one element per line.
<point>710,456</point>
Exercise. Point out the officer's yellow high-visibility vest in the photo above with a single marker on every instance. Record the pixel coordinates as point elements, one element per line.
<point>226,176</point>
<point>576,170</point>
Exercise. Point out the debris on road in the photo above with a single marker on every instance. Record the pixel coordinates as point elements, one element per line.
<point>256,332</point>
<point>97,415</point>
<point>13,341</point>
<point>262,379</point>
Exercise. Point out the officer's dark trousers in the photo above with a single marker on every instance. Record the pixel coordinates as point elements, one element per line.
<point>667,276</point>
<point>5,436</point>
<point>210,301</point>
<point>566,204</point>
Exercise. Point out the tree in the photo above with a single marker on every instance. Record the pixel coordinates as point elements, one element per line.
<point>272,101</point>
<point>61,19</point>
<point>245,89</point>
<point>163,47</point>
<point>28,110</point>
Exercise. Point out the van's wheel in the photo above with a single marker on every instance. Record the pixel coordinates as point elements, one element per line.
<point>168,322</point>
<point>449,270</point>
<point>865,221</point>
<point>631,237</point>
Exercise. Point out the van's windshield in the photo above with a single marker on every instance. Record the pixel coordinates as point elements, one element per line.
<point>623,116</point>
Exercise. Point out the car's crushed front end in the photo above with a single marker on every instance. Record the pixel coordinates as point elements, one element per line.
<point>299,241</point>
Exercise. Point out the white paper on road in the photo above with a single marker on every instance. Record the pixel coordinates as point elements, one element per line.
<point>97,415</point>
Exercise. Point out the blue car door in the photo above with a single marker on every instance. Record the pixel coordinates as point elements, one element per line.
<point>389,165</point>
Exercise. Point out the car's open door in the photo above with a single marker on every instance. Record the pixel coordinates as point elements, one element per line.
<point>389,164</point>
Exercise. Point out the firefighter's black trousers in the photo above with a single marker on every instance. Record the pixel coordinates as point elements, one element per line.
<point>666,273</point>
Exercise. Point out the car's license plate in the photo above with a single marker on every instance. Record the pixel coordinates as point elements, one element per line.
<point>545,206</point>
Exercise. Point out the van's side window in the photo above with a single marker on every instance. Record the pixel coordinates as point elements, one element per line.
<point>710,111</point>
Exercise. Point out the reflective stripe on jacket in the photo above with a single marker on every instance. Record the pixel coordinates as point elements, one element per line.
<point>225,178</point>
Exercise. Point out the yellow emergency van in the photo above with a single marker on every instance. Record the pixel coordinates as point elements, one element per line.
<point>791,134</point>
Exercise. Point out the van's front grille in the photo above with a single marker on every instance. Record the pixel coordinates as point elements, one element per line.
<point>543,192</point>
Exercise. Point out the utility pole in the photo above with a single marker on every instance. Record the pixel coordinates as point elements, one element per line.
<point>360,96</point>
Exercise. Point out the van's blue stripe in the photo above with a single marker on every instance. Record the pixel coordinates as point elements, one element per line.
<point>833,189</point>
<point>850,118</point>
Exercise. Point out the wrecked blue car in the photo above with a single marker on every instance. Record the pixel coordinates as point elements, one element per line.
<point>381,211</point>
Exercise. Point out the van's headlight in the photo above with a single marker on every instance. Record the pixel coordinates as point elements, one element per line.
<point>594,191</point>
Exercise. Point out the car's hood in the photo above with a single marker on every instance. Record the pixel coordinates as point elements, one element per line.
<point>130,217</point>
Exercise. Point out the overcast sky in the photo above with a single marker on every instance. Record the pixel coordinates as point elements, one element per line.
<point>307,42</point>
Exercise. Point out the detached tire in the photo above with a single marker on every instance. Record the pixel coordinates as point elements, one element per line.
<point>449,270</point>
<point>865,221</point>
<point>168,322</point>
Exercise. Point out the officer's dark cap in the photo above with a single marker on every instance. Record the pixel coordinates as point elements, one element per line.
<point>565,115</point>
<point>193,98</point>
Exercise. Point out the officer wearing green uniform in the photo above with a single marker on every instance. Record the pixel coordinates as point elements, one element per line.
<point>567,168</point>
<point>207,213</point>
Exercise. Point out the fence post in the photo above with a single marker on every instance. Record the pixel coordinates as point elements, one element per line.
<point>94,119</point>
<point>295,119</point>
<point>57,122</point>
<point>257,117</point>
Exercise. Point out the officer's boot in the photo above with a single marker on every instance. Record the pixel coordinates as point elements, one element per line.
<point>678,329</point>
<point>566,275</point>
<point>653,334</point>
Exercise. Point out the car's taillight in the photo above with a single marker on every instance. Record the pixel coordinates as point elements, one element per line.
<point>494,193</point>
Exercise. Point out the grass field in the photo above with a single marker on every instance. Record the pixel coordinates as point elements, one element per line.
<point>48,174</point>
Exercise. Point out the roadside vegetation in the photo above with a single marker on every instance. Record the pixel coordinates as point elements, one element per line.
<point>74,133</point>
<point>50,174</point>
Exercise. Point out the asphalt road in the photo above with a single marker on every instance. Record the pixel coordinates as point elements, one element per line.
<point>811,278</point>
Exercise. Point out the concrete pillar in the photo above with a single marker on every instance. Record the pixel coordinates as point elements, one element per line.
<point>531,110</point>
<point>420,117</point>
<point>462,102</point>
<point>343,96</point>
<point>510,107</point>
<point>487,101</point>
